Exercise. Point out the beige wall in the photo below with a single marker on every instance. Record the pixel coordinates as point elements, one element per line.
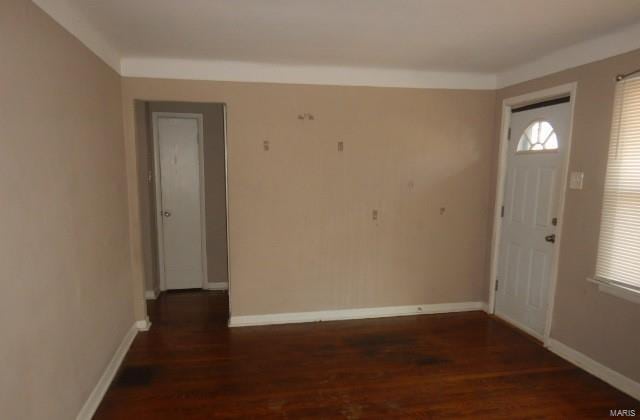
<point>599,325</point>
<point>66,300</point>
<point>301,233</point>
<point>215,184</point>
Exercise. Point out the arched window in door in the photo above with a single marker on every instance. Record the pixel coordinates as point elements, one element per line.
<point>538,136</point>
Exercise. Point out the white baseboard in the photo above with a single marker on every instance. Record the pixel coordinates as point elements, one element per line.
<point>360,313</point>
<point>143,324</point>
<point>91,405</point>
<point>151,295</point>
<point>217,285</point>
<point>610,376</point>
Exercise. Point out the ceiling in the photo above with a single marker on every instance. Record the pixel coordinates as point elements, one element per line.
<point>470,36</point>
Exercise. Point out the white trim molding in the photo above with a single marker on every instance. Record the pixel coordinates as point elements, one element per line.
<point>617,290</point>
<point>143,324</point>
<point>97,394</point>
<point>359,313</point>
<point>239,71</point>
<point>610,376</point>
<point>217,285</point>
<point>609,45</point>
<point>151,294</point>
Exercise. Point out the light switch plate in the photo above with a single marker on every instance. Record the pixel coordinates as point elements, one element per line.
<point>576,180</point>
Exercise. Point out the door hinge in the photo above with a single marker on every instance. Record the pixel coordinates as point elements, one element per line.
<point>502,211</point>
<point>509,134</point>
<point>497,283</point>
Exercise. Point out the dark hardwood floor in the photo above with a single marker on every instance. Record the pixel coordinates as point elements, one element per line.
<point>191,366</point>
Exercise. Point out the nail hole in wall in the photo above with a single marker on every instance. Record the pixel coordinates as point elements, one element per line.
<point>442,210</point>
<point>374,214</point>
<point>265,145</point>
<point>340,146</point>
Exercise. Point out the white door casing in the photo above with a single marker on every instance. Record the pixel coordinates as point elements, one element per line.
<point>180,199</point>
<point>533,186</point>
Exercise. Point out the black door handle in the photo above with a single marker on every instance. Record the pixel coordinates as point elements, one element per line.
<point>550,238</point>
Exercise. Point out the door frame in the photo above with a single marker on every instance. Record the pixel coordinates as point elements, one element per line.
<point>226,201</point>
<point>507,106</point>
<point>158,190</point>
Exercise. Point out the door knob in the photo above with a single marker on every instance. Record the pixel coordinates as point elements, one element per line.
<point>166,213</point>
<point>550,238</point>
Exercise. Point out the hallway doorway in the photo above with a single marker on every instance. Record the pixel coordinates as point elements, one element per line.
<point>183,195</point>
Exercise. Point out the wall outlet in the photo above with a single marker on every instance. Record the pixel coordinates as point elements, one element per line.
<point>576,180</point>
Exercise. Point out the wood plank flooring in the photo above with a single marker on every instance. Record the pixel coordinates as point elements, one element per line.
<point>465,365</point>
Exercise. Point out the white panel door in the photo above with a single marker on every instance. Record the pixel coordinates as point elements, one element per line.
<point>531,199</point>
<point>178,154</point>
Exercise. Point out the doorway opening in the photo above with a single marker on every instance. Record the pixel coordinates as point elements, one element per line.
<point>533,167</point>
<point>181,164</point>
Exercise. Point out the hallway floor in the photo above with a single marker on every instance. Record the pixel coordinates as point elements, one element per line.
<point>191,366</point>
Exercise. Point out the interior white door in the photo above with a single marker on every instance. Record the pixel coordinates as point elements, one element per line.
<point>178,138</point>
<point>537,147</point>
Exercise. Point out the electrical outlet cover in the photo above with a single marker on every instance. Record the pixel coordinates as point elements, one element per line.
<point>576,180</point>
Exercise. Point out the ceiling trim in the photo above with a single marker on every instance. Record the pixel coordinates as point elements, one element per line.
<point>238,71</point>
<point>609,45</point>
<point>78,26</point>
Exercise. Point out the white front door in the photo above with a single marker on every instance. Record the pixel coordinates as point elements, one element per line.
<point>537,147</point>
<point>177,139</point>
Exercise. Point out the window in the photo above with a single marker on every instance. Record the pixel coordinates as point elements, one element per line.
<point>619,246</point>
<point>537,137</point>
